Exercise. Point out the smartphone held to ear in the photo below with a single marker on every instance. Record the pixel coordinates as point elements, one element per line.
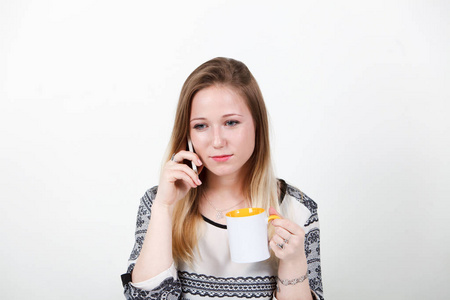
<point>191,149</point>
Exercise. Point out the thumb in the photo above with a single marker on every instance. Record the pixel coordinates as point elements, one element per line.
<point>273,211</point>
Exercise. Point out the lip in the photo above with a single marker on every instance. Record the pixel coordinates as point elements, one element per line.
<point>221,158</point>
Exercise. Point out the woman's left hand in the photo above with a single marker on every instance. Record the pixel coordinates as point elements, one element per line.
<point>288,242</point>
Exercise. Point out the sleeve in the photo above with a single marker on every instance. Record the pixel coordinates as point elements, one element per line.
<point>163,286</point>
<point>312,251</point>
<point>306,215</point>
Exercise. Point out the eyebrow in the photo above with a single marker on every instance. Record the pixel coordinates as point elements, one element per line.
<point>224,116</point>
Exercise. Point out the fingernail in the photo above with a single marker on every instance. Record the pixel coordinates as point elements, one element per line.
<point>199,162</point>
<point>198,181</point>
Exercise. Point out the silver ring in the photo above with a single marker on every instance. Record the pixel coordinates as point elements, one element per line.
<point>286,241</point>
<point>281,246</point>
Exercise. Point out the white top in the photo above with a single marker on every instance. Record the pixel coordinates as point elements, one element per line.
<point>213,274</point>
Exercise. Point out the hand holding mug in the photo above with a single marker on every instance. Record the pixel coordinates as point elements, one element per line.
<point>288,242</point>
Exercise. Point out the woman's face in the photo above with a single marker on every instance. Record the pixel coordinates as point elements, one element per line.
<point>222,130</point>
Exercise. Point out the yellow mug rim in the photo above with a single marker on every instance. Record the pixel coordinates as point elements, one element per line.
<point>248,212</point>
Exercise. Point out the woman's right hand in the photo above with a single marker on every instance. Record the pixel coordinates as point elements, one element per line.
<point>177,178</point>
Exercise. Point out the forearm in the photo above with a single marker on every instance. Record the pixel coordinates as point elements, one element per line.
<point>156,254</point>
<point>293,270</point>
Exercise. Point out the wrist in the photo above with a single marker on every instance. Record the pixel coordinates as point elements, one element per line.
<point>162,206</point>
<point>292,269</point>
<point>282,283</point>
<point>293,281</point>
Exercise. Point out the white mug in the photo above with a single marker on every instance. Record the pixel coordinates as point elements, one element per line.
<point>247,234</point>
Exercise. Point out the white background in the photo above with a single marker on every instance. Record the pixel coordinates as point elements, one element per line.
<point>358,94</point>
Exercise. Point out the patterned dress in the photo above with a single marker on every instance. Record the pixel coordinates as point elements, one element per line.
<point>213,275</point>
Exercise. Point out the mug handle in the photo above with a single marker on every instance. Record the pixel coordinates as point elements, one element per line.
<point>273,217</point>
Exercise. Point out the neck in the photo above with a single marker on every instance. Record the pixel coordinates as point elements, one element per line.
<point>225,187</point>
<point>222,194</point>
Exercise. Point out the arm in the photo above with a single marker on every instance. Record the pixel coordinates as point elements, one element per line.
<point>287,244</point>
<point>152,257</point>
<point>303,250</point>
<point>164,283</point>
<point>175,182</point>
<point>156,253</point>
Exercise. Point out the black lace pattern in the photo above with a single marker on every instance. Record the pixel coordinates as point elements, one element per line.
<point>240,287</point>
<point>143,218</point>
<point>169,289</point>
<point>312,241</point>
<point>306,201</point>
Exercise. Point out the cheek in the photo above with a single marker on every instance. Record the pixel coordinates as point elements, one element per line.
<point>247,139</point>
<point>199,144</point>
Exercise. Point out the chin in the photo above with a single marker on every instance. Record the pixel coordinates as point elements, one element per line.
<point>229,170</point>
<point>223,171</point>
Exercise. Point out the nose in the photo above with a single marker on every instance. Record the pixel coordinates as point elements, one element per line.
<point>218,139</point>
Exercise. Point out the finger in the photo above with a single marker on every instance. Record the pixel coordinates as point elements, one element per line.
<point>190,172</point>
<point>278,240</point>
<point>283,234</point>
<point>277,248</point>
<point>195,162</point>
<point>188,155</point>
<point>288,225</point>
<point>179,175</point>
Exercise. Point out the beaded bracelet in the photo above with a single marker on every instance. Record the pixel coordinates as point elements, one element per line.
<point>294,281</point>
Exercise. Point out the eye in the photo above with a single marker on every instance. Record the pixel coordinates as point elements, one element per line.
<point>199,126</point>
<point>231,123</point>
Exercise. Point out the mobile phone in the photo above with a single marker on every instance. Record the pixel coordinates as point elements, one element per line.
<point>191,148</point>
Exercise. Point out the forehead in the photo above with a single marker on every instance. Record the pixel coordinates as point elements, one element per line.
<point>221,99</point>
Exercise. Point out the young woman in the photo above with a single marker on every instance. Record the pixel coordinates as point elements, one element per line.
<point>181,249</point>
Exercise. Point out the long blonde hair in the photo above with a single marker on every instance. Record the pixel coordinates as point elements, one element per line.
<point>261,184</point>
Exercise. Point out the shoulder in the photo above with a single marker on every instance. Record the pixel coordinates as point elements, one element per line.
<point>295,199</point>
<point>301,197</point>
